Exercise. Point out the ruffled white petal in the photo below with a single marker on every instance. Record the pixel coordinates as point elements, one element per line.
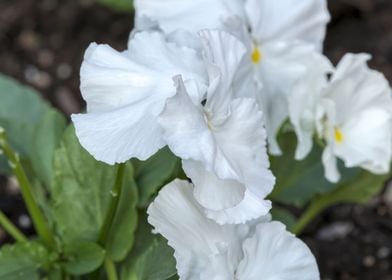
<point>274,253</point>
<point>330,164</point>
<point>250,208</point>
<point>366,141</point>
<point>282,65</point>
<point>223,54</point>
<point>188,14</point>
<point>196,239</point>
<point>288,20</point>
<point>303,101</point>
<point>185,128</point>
<point>210,191</point>
<point>126,91</point>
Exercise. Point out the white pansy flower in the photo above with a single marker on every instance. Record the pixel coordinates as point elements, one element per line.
<point>279,36</point>
<point>220,138</point>
<point>207,250</point>
<point>126,91</point>
<point>354,116</point>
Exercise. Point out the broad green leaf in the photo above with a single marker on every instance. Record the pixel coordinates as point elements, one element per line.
<point>358,190</point>
<point>46,138</point>
<point>155,172</point>
<point>282,215</point>
<point>83,257</point>
<point>157,263</point>
<point>118,5</point>
<point>22,261</point>
<point>21,112</point>
<point>297,182</point>
<point>80,190</point>
<point>81,195</point>
<point>121,237</point>
<point>151,258</point>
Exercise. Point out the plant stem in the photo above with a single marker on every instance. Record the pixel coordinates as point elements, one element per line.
<point>39,221</point>
<point>317,206</point>
<point>110,270</point>
<point>107,224</point>
<point>115,198</point>
<point>11,228</point>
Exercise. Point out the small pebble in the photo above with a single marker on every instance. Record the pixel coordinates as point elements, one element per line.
<point>388,195</point>
<point>28,40</point>
<point>369,261</point>
<point>13,186</point>
<point>37,78</point>
<point>45,58</point>
<point>67,101</point>
<point>383,252</point>
<point>24,221</point>
<point>335,231</point>
<point>64,71</point>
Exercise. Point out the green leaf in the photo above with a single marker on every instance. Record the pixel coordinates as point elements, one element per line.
<point>81,194</point>
<point>297,182</point>
<point>155,172</point>
<point>118,5</point>
<point>121,236</point>
<point>80,191</point>
<point>83,257</point>
<point>21,112</point>
<point>23,261</point>
<point>282,215</point>
<point>358,190</point>
<point>46,138</point>
<point>151,258</point>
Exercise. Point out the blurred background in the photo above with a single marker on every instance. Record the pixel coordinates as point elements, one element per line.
<point>42,44</point>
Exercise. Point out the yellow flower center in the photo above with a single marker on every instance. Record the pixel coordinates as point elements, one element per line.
<point>339,137</point>
<point>256,55</point>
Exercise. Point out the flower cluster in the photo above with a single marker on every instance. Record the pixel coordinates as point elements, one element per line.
<point>215,81</point>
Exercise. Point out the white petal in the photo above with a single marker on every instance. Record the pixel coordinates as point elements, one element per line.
<point>303,101</point>
<point>196,240</point>
<point>281,66</point>
<point>355,84</point>
<point>223,54</point>
<point>118,135</point>
<point>241,156</point>
<point>273,253</point>
<point>185,129</point>
<point>289,20</point>
<point>188,14</point>
<point>329,160</point>
<point>367,141</point>
<point>250,208</point>
<point>210,191</point>
<point>126,91</point>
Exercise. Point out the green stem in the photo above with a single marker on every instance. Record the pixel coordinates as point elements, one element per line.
<point>39,221</point>
<point>115,198</point>
<point>11,228</point>
<point>310,213</point>
<point>110,270</point>
<point>107,224</point>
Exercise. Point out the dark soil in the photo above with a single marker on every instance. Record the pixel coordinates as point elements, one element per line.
<point>42,44</point>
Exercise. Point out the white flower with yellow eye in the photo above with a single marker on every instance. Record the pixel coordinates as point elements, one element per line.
<point>354,116</point>
<point>279,36</point>
<point>220,137</point>
<point>206,250</point>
